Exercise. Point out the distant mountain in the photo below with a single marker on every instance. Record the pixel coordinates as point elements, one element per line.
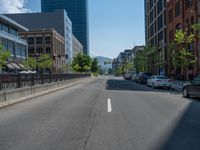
<point>102,60</point>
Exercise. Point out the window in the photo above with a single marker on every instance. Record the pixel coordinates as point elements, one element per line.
<point>177,9</point>
<point>178,26</point>
<point>48,40</point>
<point>14,32</point>
<point>11,47</point>
<point>152,30</point>
<point>18,51</point>
<point>160,38</point>
<point>39,50</point>
<point>159,6</point>
<point>4,44</point>
<point>48,50</point>
<point>39,40</point>
<point>30,40</point>
<point>160,22</point>
<point>189,3</point>
<point>162,77</point>
<point>152,41</point>
<point>3,28</point>
<point>151,3</point>
<point>151,16</point>
<point>31,50</point>
<point>23,51</point>
<point>197,80</point>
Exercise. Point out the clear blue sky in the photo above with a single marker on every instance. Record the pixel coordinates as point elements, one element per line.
<point>115,25</point>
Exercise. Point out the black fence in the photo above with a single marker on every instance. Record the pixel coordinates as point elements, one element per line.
<point>11,81</point>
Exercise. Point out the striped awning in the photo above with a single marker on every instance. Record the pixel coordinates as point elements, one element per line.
<point>16,66</point>
<point>21,66</point>
<point>10,66</point>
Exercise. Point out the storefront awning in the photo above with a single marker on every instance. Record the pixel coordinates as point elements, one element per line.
<point>16,66</point>
<point>10,66</point>
<point>21,66</point>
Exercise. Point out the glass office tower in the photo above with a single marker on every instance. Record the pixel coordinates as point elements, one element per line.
<point>77,11</point>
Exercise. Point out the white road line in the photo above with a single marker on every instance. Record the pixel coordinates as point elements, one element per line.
<point>109,105</point>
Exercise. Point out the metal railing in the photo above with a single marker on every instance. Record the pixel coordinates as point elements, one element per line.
<point>12,81</point>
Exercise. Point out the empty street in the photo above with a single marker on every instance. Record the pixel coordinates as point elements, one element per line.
<point>108,113</point>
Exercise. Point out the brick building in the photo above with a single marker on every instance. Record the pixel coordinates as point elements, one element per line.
<point>181,14</point>
<point>47,41</point>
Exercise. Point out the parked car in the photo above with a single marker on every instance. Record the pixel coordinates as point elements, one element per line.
<point>192,88</point>
<point>158,81</point>
<point>143,77</point>
<point>135,77</point>
<point>128,75</point>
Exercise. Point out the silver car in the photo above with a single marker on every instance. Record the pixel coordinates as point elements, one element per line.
<point>158,81</point>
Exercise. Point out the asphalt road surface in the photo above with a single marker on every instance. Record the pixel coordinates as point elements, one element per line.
<point>105,114</point>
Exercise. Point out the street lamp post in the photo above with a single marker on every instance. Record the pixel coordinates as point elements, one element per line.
<point>37,61</point>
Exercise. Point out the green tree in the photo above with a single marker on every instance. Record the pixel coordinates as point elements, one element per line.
<point>181,56</point>
<point>81,63</point>
<point>94,67</point>
<point>119,70</point>
<point>45,61</point>
<point>30,63</point>
<point>4,55</point>
<point>143,57</point>
<point>128,66</point>
<point>67,68</point>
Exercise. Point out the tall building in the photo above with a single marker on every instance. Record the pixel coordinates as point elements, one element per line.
<point>58,20</point>
<point>182,14</point>
<point>10,40</point>
<point>155,24</point>
<point>78,13</point>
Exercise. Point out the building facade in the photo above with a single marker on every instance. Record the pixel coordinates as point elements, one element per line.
<point>10,40</point>
<point>47,41</point>
<point>182,14</point>
<point>155,26</point>
<point>58,20</point>
<point>78,13</point>
<point>76,46</point>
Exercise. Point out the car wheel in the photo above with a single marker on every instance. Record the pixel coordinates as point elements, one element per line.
<point>169,88</point>
<point>185,93</point>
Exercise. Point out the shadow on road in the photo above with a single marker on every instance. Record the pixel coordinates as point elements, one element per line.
<point>186,134</point>
<point>125,85</point>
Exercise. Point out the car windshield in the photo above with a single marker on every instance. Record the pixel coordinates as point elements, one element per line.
<point>148,74</point>
<point>197,79</point>
<point>161,77</point>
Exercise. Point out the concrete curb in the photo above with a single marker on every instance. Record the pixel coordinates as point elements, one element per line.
<point>68,85</point>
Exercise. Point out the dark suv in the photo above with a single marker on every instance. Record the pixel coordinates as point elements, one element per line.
<point>143,77</point>
<point>192,88</point>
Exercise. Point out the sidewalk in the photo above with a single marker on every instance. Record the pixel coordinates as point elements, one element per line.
<point>67,84</point>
